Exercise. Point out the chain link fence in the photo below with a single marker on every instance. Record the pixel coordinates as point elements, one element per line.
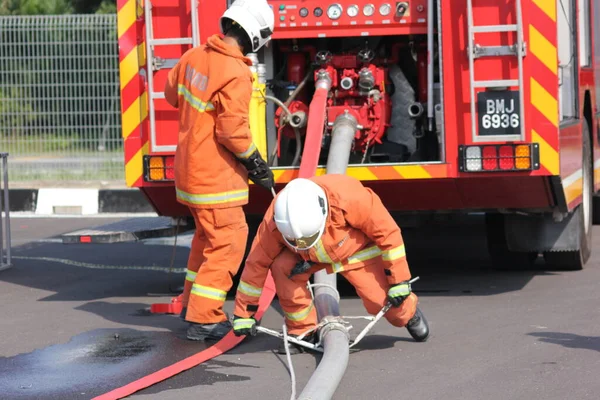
<point>59,98</point>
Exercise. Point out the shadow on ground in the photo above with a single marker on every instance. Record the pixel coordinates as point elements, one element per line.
<point>451,260</point>
<point>569,340</point>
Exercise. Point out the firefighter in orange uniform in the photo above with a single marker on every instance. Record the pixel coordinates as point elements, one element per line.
<point>211,86</point>
<point>328,222</point>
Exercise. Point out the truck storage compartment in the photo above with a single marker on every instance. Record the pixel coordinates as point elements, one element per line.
<point>380,81</point>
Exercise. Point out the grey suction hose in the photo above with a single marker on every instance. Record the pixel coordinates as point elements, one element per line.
<point>296,130</point>
<point>285,108</point>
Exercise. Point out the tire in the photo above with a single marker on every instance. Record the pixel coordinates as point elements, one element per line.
<point>502,258</point>
<point>576,259</point>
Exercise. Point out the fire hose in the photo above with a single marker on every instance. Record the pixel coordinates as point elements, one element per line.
<point>225,344</point>
<point>317,346</point>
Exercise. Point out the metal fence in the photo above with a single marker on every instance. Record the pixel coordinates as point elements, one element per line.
<point>5,241</point>
<point>59,98</point>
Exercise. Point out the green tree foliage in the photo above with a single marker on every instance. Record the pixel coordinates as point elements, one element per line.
<point>56,7</point>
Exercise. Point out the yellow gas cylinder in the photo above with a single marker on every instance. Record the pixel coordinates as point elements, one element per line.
<point>258,134</point>
<point>260,140</point>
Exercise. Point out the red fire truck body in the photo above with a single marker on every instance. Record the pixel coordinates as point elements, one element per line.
<point>458,105</point>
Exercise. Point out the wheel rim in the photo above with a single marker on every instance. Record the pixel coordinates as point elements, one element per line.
<point>587,198</point>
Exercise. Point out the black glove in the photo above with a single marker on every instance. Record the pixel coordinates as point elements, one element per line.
<point>258,171</point>
<point>300,268</point>
<point>398,293</point>
<point>244,326</point>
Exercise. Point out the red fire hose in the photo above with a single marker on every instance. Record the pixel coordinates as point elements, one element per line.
<point>225,344</point>
<point>314,133</point>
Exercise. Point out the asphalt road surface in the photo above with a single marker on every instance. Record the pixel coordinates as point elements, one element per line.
<point>73,325</point>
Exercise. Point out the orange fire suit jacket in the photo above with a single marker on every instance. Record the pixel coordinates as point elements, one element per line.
<point>211,86</point>
<point>359,231</point>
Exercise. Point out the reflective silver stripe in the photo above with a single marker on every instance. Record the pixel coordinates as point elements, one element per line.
<point>190,275</point>
<point>213,198</point>
<point>193,101</point>
<point>300,315</point>
<point>363,255</point>
<point>322,255</point>
<point>337,267</point>
<point>243,323</point>
<point>208,292</point>
<point>248,152</point>
<point>394,254</point>
<point>248,289</point>
<point>401,290</point>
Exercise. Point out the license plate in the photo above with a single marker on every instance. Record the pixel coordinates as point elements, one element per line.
<point>499,113</point>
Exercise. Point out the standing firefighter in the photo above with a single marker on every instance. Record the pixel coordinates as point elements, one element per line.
<point>329,222</point>
<point>211,86</point>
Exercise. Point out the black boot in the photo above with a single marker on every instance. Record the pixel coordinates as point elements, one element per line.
<point>418,327</point>
<point>203,332</point>
<point>297,349</point>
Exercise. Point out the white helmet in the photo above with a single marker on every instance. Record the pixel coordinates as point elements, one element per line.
<point>301,213</point>
<point>255,17</point>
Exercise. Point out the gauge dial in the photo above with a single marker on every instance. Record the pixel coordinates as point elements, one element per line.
<point>318,12</point>
<point>352,11</point>
<point>303,12</point>
<point>385,9</point>
<point>334,11</point>
<point>369,10</point>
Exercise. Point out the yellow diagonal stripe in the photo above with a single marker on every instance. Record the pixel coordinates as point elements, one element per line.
<point>413,172</point>
<point>548,7</point>
<point>129,67</point>
<point>277,173</point>
<point>574,190</point>
<point>134,168</point>
<point>544,102</point>
<point>126,17</point>
<point>548,155</point>
<point>361,173</point>
<point>543,49</point>
<point>134,115</point>
<point>142,54</point>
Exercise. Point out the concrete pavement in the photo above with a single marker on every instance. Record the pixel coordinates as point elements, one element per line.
<point>496,335</point>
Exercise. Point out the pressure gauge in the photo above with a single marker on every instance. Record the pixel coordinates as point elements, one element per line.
<point>352,11</point>
<point>385,9</point>
<point>369,10</point>
<point>334,11</point>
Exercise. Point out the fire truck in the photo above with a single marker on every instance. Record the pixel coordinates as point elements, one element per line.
<point>460,106</point>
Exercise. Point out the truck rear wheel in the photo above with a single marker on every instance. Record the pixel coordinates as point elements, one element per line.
<point>576,259</point>
<point>501,256</point>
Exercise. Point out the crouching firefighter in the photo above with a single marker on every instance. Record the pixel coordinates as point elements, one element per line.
<point>211,86</point>
<point>328,222</point>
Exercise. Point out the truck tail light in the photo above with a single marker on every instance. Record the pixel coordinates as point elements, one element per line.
<point>503,157</point>
<point>159,168</point>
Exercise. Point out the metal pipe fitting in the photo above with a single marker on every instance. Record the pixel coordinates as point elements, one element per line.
<point>298,119</point>
<point>342,137</point>
<point>366,80</point>
<point>323,80</point>
<point>347,83</point>
<point>415,110</point>
<point>261,70</point>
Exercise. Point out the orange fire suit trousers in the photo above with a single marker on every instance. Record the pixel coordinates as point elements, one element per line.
<point>370,283</point>
<point>215,257</point>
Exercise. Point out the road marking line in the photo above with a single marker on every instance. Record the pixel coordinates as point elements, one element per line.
<point>101,266</point>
